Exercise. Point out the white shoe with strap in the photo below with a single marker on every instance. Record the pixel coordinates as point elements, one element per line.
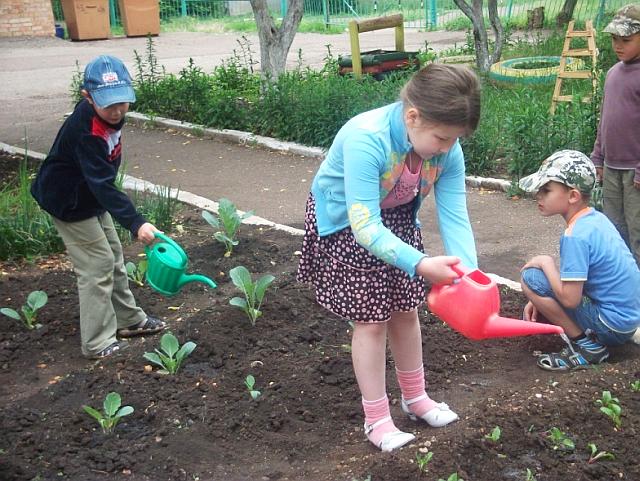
<point>439,416</point>
<point>391,440</point>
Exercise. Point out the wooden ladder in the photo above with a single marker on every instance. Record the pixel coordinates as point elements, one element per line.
<point>567,51</point>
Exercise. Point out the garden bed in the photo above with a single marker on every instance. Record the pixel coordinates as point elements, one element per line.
<point>307,423</point>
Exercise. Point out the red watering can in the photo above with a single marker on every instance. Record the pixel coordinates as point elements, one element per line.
<point>471,306</point>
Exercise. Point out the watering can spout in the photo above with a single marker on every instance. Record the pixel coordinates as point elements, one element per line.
<point>187,278</point>
<point>498,326</point>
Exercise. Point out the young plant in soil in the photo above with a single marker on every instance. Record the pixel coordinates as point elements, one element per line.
<point>228,221</point>
<point>635,385</point>
<point>494,435</point>
<point>529,476</point>
<point>558,440</point>
<point>136,272</point>
<point>35,301</point>
<point>250,383</point>
<point>610,406</point>
<point>597,455</point>
<point>452,477</point>
<point>171,355</point>
<point>422,460</point>
<point>112,412</point>
<point>253,292</point>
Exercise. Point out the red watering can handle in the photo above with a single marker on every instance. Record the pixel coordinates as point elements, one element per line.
<point>460,269</point>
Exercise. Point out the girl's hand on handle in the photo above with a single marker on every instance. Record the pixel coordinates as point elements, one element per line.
<point>146,233</point>
<point>438,269</point>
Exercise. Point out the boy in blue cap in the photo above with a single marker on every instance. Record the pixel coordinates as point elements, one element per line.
<point>594,295</point>
<point>76,185</point>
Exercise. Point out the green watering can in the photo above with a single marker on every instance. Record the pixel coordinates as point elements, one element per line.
<point>167,266</point>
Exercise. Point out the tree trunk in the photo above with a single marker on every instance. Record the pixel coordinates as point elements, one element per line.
<point>275,42</point>
<point>566,14</point>
<point>484,58</point>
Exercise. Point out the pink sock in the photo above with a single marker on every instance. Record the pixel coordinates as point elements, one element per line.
<point>374,411</point>
<point>412,385</point>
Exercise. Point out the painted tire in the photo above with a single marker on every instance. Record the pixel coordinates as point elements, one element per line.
<point>506,71</point>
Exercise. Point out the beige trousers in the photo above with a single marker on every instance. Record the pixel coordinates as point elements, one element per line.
<point>106,302</point>
<point>622,206</point>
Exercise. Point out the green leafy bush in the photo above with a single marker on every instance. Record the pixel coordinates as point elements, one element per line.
<point>516,131</point>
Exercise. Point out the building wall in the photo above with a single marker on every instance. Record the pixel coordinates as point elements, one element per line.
<point>26,18</point>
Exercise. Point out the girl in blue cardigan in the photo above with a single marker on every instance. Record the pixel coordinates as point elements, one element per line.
<point>363,251</point>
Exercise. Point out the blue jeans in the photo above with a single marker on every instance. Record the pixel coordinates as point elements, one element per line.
<point>586,314</point>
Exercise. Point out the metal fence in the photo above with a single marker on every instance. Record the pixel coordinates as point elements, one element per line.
<point>440,14</point>
<point>423,14</point>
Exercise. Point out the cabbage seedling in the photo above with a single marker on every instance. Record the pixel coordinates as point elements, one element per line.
<point>610,406</point>
<point>228,221</point>
<point>422,460</point>
<point>452,477</point>
<point>35,301</point>
<point>494,435</point>
<point>559,440</point>
<point>596,455</point>
<point>253,292</point>
<point>170,355</point>
<point>136,272</point>
<point>112,412</point>
<point>250,382</point>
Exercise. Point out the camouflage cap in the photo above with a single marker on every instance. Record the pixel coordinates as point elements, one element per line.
<point>569,167</point>
<point>626,22</point>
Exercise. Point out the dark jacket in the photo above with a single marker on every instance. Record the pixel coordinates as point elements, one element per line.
<point>77,179</point>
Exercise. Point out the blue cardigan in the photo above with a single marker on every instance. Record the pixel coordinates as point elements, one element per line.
<point>362,166</point>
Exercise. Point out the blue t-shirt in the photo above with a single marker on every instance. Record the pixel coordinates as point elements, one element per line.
<point>592,251</point>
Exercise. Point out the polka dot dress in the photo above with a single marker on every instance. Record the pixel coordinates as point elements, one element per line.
<point>349,280</point>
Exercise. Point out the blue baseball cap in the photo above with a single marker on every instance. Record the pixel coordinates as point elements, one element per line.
<point>108,81</point>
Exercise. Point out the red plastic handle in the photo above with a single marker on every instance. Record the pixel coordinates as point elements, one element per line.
<point>460,269</point>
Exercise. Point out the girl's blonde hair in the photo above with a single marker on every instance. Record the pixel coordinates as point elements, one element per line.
<point>445,94</point>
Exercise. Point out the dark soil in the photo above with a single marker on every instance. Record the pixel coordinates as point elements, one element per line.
<point>307,424</point>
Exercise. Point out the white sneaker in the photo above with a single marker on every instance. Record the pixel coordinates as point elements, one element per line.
<point>636,337</point>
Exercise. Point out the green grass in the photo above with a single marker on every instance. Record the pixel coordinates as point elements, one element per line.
<point>247,24</point>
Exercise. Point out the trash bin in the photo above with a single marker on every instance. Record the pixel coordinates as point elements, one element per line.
<point>379,63</point>
<point>140,17</point>
<point>87,19</point>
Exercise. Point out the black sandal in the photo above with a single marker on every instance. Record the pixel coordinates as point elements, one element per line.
<point>571,358</point>
<point>112,349</point>
<point>150,325</point>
